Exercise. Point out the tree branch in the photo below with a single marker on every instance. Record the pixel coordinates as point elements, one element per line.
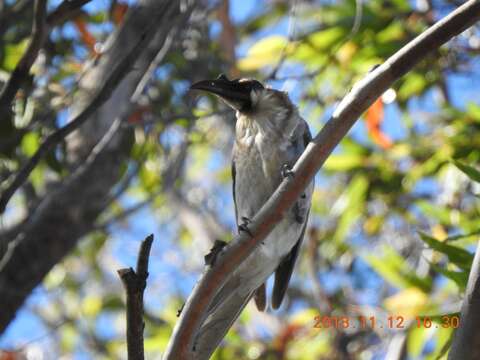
<point>466,341</point>
<point>135,284</point>
<point>348,111</point>
<point>22,70</point>
<point>102,95</point>
<point>65,11</point>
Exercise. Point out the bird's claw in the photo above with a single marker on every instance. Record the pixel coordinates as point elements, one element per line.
<point>211,257</point>
<point>287,171</point>
<point>244,225</point>
<point>298,214</point>
<point>245,220</point>
<point>179,311</point>
<point>373,67</point>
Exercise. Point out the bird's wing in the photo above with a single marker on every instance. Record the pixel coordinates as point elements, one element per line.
<point>285,269</point>
<point>260,294</point>
<point>219,320</point>
<point>234,172</point>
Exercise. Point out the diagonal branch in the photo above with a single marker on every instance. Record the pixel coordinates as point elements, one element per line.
<point>65,11</point>
<point>22,70</point>
<point>103,94</point>
<point>348,111</point>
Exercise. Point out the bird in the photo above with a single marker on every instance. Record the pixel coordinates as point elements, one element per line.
<point>270,136</point>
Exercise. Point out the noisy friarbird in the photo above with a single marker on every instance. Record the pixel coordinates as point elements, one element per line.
<point>270,135</point>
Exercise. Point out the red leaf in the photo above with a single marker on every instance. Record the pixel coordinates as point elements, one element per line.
<point>138,114</point>
<point>374,119</point>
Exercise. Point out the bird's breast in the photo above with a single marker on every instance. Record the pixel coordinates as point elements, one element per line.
<point>258,163</point>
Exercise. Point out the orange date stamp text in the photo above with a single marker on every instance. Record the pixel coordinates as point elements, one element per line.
<point>388,322</point>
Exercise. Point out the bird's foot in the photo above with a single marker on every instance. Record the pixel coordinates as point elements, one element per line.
<point>298,213</point>
<point>287,171</point>
<point>211,257</point>
<point>244,225</point>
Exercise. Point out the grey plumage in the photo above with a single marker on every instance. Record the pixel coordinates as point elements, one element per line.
<point>269,134</point>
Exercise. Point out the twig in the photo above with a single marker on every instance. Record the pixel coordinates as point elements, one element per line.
<point>348,111</point>
<point>22,70</point>
<point>135,283</point>
<point>466,341</point>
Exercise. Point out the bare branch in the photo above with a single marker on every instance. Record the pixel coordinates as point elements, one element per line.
<point>364,93</point>
<point>65,11</point>
<point>466,341</point>
<point>22,70</point>
<point>135,283</point>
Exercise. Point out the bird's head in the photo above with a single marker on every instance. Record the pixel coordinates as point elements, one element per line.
<point>248,97</point>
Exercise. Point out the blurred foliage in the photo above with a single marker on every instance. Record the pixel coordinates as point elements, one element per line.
<point>393,228</point>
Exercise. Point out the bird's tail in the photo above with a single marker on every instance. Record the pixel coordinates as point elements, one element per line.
<point>229,302</point>
<point>260,297</point>
<point>225,309</point>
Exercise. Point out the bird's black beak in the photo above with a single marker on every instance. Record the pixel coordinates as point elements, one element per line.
<point>233,92</point>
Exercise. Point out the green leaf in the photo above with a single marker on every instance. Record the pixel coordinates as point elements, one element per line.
<point>343,162</point>
<point>30,143</point>
<point>394,31</point>
<point>416,340</point>
<point>325,39</point>
<point>456,255</point>
<point>402,5</point>
<point>447,343</point>
<point>458,277</point>
<point>462,236</point>
<point>13,53</point>
<point>266,51</point>
<point>351,206</point>
<point>393,268</point>
<point>474,111</point>
<point>468,170</point>
<point>414,84</point>
<point>440,213</point>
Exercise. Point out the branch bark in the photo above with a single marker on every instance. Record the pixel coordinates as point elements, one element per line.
<point>363,94</point>
<point>135,283</point>
<point>466,341</point>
